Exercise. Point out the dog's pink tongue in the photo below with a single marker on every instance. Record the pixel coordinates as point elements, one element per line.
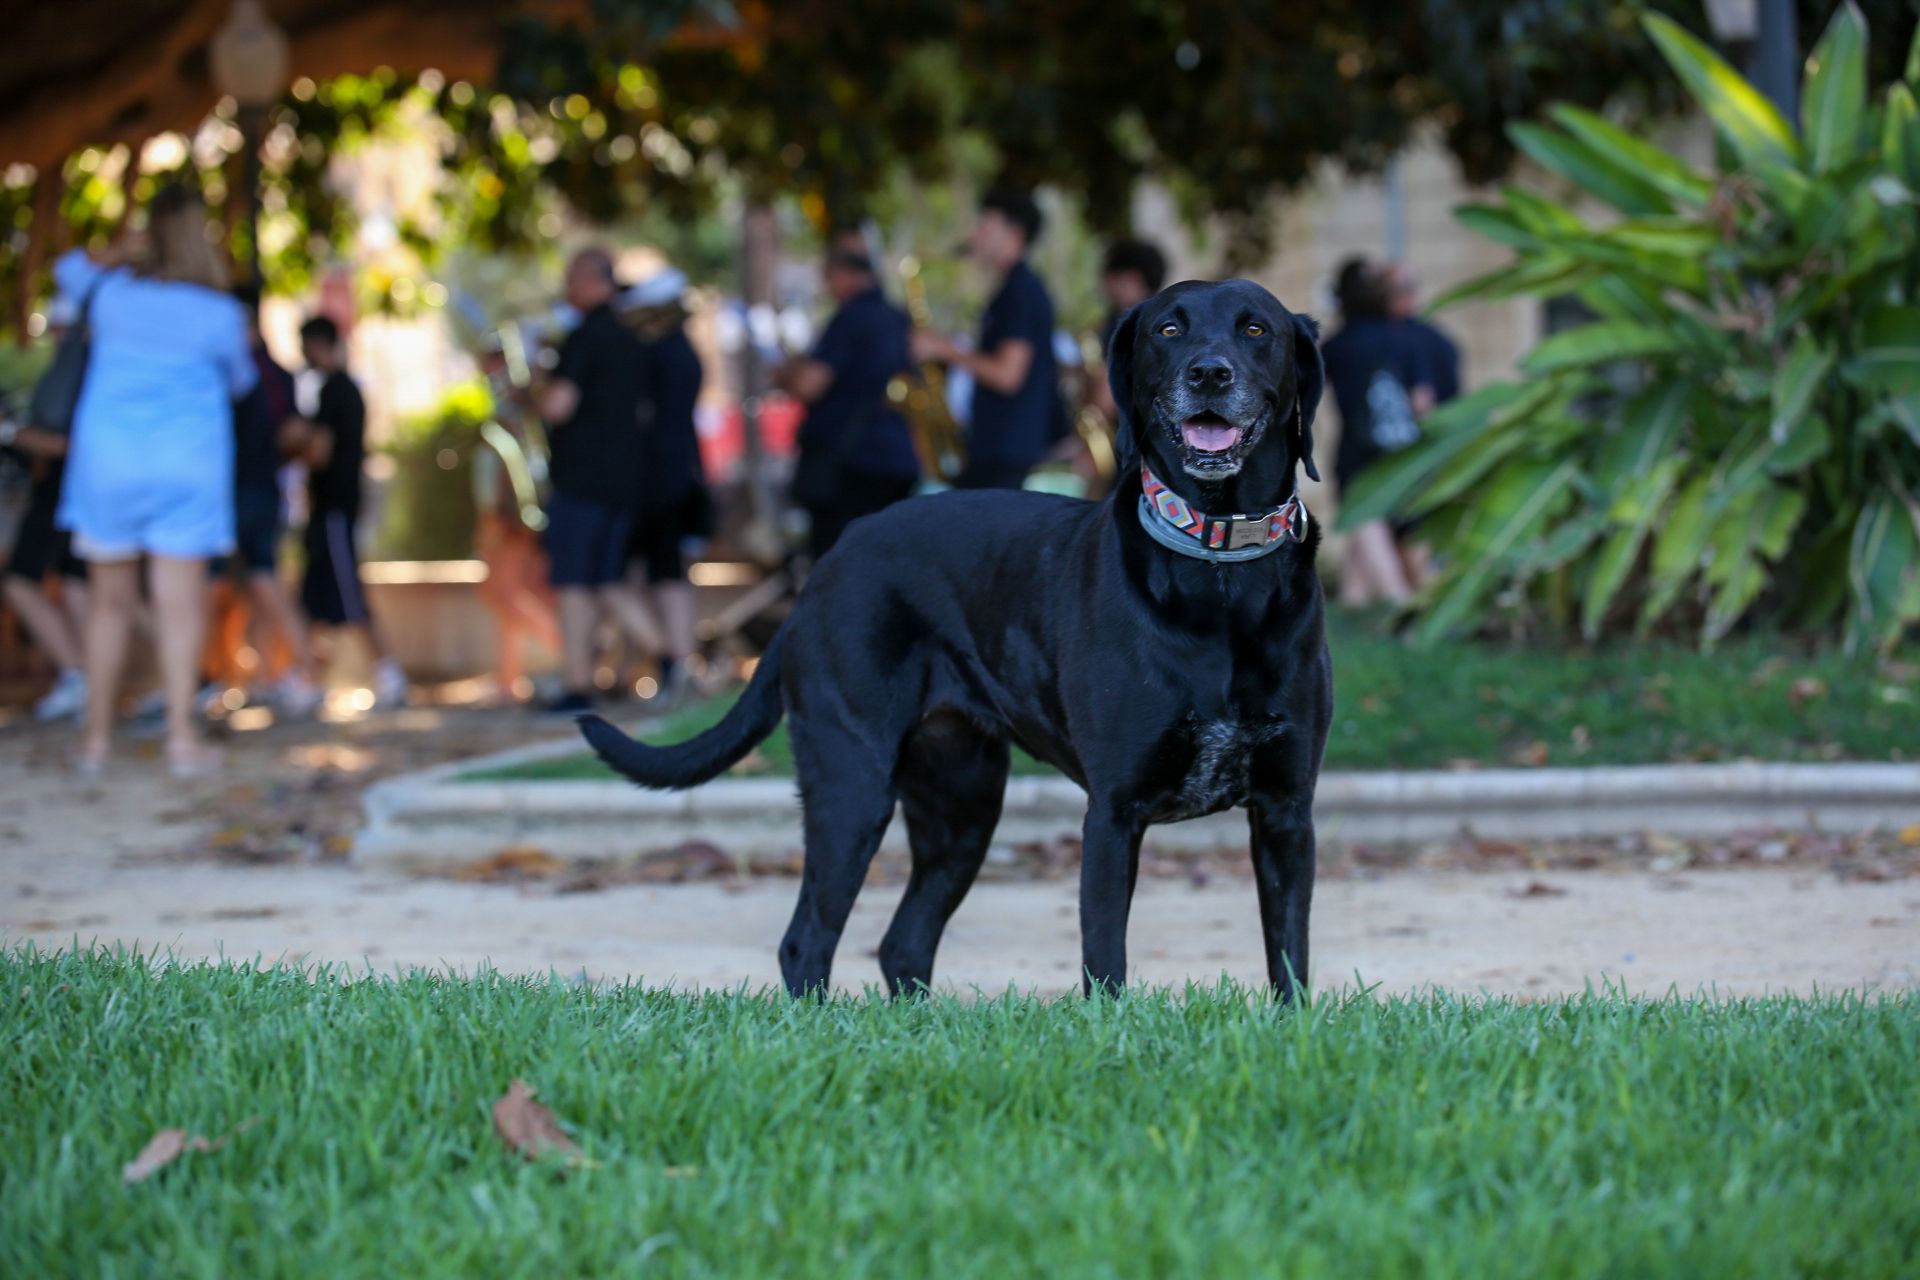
<point>1210,437</point>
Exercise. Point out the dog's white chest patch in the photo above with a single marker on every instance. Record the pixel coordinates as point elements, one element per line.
<point>1217,776</point>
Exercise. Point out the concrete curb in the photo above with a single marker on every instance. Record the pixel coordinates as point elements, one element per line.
<point>433,818</point>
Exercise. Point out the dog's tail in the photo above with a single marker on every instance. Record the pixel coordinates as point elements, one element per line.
<point>707,756</point>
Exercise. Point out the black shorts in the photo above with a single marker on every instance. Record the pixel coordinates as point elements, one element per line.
<point>256,531</point>
<point>661,532</point>
<point>858,493</point>
<point>41,547</point>
<point>331,593</point>
<point>992,475</point>
<point>586,542</point>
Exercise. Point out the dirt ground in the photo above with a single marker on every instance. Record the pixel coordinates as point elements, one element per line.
<point>251,866</point>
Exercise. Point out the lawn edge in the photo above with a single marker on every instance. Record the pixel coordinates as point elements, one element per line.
<point>434,819</point>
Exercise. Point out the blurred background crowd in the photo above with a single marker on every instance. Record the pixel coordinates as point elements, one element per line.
<point>530,353</point>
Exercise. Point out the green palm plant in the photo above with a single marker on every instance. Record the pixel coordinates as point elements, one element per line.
<point>1736,431</point>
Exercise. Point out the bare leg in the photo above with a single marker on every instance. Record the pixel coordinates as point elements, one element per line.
<point>675,604</point>
<point>45,622</point>
<point>512,594</point>
<point>275,609</point>
<point>579,614</point>
<point>73,598</point>
<point>179,590</point>
<point>1373,565</point>
<point>634,617</point>
<point>112,595</point>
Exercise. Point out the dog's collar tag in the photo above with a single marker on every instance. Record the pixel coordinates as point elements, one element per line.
<point>1173,522</point>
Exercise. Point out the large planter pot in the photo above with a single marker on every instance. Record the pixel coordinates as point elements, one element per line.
<point>431,616</point>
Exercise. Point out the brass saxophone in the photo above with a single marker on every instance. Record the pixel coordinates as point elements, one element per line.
<point>921,396</point>
<point>1097,435</point>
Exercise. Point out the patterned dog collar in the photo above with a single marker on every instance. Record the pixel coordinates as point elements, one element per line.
<point>1174,524</point>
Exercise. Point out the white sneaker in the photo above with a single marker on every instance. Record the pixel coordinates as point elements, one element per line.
<point>297,697</point>
<point>67,698</point>
<point>389,685</point>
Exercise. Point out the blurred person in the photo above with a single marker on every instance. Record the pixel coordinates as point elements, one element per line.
<point>1441,353</point>
<point>1380,381</point>
<point>1131,272</point>
<point>335,451</point>
<point>150,467</point>
<point>507,541</point>
<point>673,505</point>
<point>42,551</point>
<point>1017,412</point>
<point>593,405</point>
<point>267,430</point>
<point>856,453</point>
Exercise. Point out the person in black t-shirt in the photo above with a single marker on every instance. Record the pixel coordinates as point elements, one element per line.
<point>1131,272</point>
<point>1440,353</point>
<point>674,507</point>
<point>594,406</point>
<point>336,450</point>
<point>856,455</point>
<point>1015,397</point>
<point>1379,379</point>
<point>267,427</point>
<point>41,548</point>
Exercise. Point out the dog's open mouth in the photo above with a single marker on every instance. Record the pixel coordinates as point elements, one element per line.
<point>1208,432</point>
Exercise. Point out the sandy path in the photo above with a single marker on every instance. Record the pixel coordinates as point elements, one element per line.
<point>82,862</point>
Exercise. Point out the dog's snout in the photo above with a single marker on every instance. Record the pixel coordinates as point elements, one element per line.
<point>1209,373</point>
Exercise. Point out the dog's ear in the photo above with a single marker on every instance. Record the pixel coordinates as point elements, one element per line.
<point>1120,382</point>
<point>1309,380</point>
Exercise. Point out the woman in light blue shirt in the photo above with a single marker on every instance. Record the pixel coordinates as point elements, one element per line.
<point>150,469</point>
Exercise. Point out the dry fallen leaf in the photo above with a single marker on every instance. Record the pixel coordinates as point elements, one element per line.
<point>1536,889</point>
<point>162,1150</point>
<point>519,860</point>
<point>528,1127</point>
<point>168,1145</point>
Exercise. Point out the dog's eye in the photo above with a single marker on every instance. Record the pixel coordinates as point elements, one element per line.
<point>1256,330</point>
<point>1169,330</point>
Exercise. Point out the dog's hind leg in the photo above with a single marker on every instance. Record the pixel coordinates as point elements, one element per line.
<point>847,793</point>
<point>952,781</point>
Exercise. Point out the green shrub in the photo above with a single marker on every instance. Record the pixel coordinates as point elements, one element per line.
<point>429,507</point>
<point>1737,429</point>
<point>20,368</point>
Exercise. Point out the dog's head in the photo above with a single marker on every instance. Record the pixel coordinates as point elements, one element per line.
<point>1217,381</point>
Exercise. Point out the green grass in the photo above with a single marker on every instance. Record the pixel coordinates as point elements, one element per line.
<point>1756,697</point>
<point>1200,1135</point>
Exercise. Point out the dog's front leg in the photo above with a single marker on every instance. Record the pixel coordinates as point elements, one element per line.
<point>1109,864</point>
<point>1283,873</point>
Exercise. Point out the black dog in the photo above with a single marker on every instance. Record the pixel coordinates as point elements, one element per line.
<point>1167,656</point>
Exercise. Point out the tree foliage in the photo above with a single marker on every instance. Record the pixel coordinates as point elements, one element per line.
<point>662,107</point>
<point>1737,429</point>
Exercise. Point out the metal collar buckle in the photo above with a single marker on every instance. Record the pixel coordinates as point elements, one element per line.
<point>1247,531</point>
